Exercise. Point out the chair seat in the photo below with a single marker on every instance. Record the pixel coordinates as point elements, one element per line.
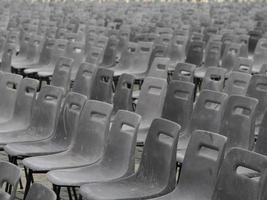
<point>124,189</point>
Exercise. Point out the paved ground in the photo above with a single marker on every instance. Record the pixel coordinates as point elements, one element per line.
<point>42,178</point>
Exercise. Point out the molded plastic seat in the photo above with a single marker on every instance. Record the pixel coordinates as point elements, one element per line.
<point>43,119</point>
<point>260,55</point>
<point>40,192</point>
<point>214,79</point>
<point>207,115</point>
<point>117,162</point>
<point>195,53</point>
<point>88,145</point>
<point>184,72</point>
<point>102,86</point>
<point>237,83</point>
<point>122,99</point>
<point>231,52</point>
<point>7,57</point>
<point>178,104</point>
<point>156,173</point>
<point>84,79</point>
<point>201,166</point>
<point>238,122</point>
<point>9,174</point>
<point>260,146</point>
<point>62,136</point>
<point>243,65</point>
<point>230,182</point>
<point>95,55</point>
<point>9,86</point>
<point>159,68</point>
<point>150,104</point>
<point>109,58</point>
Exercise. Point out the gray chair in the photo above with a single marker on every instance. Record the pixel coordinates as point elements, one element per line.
<point>201,167</point>
<point>44,118</point>
<point>231,185</point>
<point>86,148</point>
<point>84,79</point>
<point>237,83</point>
<point>9,174</point>
<point>195,53</point>
<point>117,162</point>
<point>231,53</point>
<point>7,57</point>
<point>150,104</point>
<point>159,68</point>
<point>238,122</point>
<point>243,65</point>
<point>40,192</point>
<point>207,115</point>
<point>214,79</point>
<point>156,173</point>
<point>260,146</point>
<point>184,72</point>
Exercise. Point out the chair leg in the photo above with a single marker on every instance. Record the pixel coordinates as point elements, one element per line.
<point>74,193</point>
<point>80,197</point>
<point>179,167</point>
<point>57,191</point>
<point>69,193</point>
<point>28,183</point>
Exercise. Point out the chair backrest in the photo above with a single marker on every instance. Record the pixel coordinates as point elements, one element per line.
<point>62,73</point>
<point>58,50</point>
<point>238,122</point>
<point>263,69</point>
<point>237,83</point>
<point>184,72</point>
<point>157,165</point>
<point>46,110</point>
<point>201,165</point>
<point>208,111</point>
<point>40,192</point>
<point>102,86</point>
<point>176,50</point>
<point>95,55</point>
<point>9,87</point>
<point>84,79</point>
<point>10,174</point>
<point>231,52</point>
<point>36,47</point>
<point>159,68</point>
<point>233,185</point>
<point>123,131</point>
<point>257,89</point>
<point>109,58</point>
<point>46,50</point>
<point>7,58</point>
<point>195,53</point>
<point>122,99</point>
<point>93,129</point>
<point>24,44</point>
<point>214,79</point>
<point>213,54</point>
<point>128,55</point>
<point>243,65</point>
<point>151,99</point>
<point>178,104</point>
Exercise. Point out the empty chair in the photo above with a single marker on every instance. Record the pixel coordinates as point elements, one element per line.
<point>156,173</point>
<point>40,192</point>
<point>254,37</point>
<point>263,69</point>
<point>86,148</point>
<point>159,68</point>
<point>122,99</point>
<point>102,85</point>
<point>62,136</point>
<point>244,41</point>
<point>207,115</point>
<point>95,55</point>
<point>85,79</point>
<point>9,86</point>
<point>184,72</point>
<point>260,55</point>
<point>231,52</point>
<point>230,182</point>
<point>243,65</point>
<point>214,79</point>
<point>213,54</point>
<point>150,104</point>
<point>237,83</point>
<point>9,174</point>
<point>201,166</point>
<point>238,122</point>
<point>109,58</point>
<point>178,104</point>
<point>117,161</point>
<point>7,57</point>
<point>44,118</point>
<point>195,53</point>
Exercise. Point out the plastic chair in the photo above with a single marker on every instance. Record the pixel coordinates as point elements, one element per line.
<point>7,57</point>
<point>102,85</point>
<point>156,173</point>
<point>184,72</point>
<point>95,55</point>
<point>159,68</point>
<point>244,41</point>
<point>109,58</point>
<point>238,122</point>
<point>84,79</point>
<point>44,118</point>
<point>119,159</point>
<point>201,166</point>
<point>231,52</point>
<point>259,55</point>
<point>243,65</point>
<point>122,99</point>
<point>86,148</point>
<point>195,53</point>
<point>9,86</point>
<point>9,174</point>
<point>40,192</point>
<point>62,136</point>
<point>24,46</point>
<point>213,54</point>
<point>150,104</point>
<point>214,79</point>
<point>254,37</point>
<point>178,104</point>
<point>237,83</point>
<point>230,182</point>
<point>207,115</point>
